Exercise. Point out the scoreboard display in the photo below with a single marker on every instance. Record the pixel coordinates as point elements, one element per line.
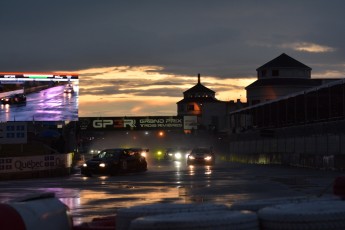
<point>39,96</point>
<point>22,77</point>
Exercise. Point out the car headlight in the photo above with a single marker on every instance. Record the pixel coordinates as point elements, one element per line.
<point>191,157</point>
<point>102,165</point>
<point>208,158</point>
<point>178,156</point>
<point>84,165</point>
<point>143,154</point>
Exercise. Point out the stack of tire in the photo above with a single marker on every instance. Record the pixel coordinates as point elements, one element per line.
<point>320,215</point>
<point>220,220</point>
<point>42,211</point>
<point>256,205</point>
<point>184,216</point>
<point>99,223</point>
<point>297,213</point>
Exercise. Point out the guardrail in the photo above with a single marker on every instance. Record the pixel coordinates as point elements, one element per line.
<point>5,94</point>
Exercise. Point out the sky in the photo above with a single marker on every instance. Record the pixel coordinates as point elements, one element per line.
<point>136,58</point>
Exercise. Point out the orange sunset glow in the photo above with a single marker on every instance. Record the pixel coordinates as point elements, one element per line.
<point>145,90</point>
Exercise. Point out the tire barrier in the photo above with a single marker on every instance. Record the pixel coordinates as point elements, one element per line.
<point>102,223</point>
<point>282,213</point>
<point>126,215</point>
<point>339,186</point>
<point>256,205</point>
<point>321,215</point>
<point>10,218</point>
<point>36,212</point>
<point>220,220</point>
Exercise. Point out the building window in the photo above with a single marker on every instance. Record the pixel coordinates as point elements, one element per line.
<point>263,73</point>
<point>275,73</point>
<point>190,108</point>
<point>10,135</point>
<point>10,128</point>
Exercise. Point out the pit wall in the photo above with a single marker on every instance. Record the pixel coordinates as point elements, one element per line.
<point>320,145</point>
<point>35,166</point>
<point>5,94</point>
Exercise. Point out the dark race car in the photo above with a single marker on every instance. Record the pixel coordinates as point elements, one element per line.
<point>142,151</point>
<point>114,161</point>
<point>14,99</point>
<point>201,155</point>
<point>68,89</point>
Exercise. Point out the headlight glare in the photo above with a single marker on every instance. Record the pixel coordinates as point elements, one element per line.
<point>178,156</point>
<point>208,158</point>
<point>191,157</point>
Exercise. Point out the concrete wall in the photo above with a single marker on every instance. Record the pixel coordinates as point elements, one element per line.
<point>5,94</point>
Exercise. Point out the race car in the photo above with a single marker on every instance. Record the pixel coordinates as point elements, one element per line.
<point>201,155</point>
<point>68,89</point>
<point>114,161</point>
<point>14,99</point>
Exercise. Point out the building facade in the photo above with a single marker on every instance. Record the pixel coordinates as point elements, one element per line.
<point>280,77</point>
<point>291,119</point>
<point>211,113</point>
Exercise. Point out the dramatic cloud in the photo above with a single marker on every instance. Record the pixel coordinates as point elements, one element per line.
<point>131,49</point>
<point>309,47</point>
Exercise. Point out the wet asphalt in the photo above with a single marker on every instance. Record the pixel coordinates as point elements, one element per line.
<point>174,182</point>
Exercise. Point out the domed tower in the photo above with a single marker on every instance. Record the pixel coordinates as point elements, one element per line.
<point>194,99</point>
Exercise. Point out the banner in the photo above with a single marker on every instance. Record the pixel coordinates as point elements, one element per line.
<point>190,122</point>
<point>131,123</point>
<point>35,163</point>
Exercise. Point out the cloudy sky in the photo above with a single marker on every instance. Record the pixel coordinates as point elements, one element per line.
<point>137,58</point>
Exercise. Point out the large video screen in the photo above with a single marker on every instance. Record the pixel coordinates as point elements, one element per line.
<point>39,96</point>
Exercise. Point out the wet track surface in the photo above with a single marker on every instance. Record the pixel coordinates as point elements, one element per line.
<point>51,104</point>
<point>223,183</point>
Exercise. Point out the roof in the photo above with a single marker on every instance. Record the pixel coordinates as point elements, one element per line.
<point>284,61</point>
<point>198,88</point>
<point>285,82</point>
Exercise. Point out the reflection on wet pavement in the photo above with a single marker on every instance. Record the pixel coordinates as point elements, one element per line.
<point>102,196</point>
<point>91,203</point>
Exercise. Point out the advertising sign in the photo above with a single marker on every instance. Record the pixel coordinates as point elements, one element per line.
<point>190,122</point>
<point>131,123</point>
<point>35,163</point>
